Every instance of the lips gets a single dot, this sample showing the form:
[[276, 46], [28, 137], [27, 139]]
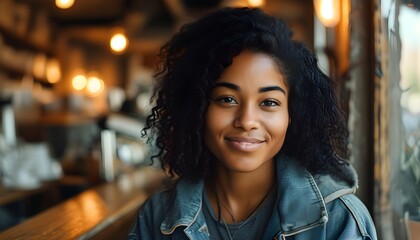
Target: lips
[[244, 143]]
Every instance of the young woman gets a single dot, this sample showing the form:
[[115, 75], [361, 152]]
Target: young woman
[[251, 126]]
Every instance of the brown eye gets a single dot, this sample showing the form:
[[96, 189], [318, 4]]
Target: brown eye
[[270, 103], [228, 100]]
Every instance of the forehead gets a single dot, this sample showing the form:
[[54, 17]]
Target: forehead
[[253, 69]]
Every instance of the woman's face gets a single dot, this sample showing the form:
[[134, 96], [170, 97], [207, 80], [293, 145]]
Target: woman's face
[[247, 119]]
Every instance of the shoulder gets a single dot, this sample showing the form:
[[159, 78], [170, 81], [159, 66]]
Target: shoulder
[[349, 219], [359, 212], [163, 212], [150, 216], [157, 203]]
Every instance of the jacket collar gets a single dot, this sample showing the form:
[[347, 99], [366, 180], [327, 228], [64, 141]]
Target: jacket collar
[[332, 188], [301, 203], [302, 196], [186, 205]]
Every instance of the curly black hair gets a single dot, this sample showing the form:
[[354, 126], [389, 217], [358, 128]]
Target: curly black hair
[[195, 57]]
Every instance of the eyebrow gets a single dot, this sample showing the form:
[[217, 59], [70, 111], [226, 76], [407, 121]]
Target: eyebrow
[[227, 85], [271, 88], [261, 89]]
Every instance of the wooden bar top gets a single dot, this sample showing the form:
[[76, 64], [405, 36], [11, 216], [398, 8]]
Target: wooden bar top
[[92, 211], [9, 195]]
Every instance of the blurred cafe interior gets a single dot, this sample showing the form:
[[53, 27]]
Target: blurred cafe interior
[[76, 78]]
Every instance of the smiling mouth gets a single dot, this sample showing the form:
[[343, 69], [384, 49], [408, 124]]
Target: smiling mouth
[[244, 144]]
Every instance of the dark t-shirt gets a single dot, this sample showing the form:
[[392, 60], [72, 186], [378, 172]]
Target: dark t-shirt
[[251, 228]]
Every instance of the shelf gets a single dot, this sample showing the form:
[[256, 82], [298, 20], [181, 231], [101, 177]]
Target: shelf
[[22, 42], [15, 73], [22, 48]]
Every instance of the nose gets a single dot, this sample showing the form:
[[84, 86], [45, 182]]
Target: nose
[[247, 118]]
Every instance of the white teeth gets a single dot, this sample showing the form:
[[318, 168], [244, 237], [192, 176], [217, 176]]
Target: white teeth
[[246, 143], [245, 146]]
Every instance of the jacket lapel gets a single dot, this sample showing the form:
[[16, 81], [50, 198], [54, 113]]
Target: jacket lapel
[[186, 206], [300, 203]]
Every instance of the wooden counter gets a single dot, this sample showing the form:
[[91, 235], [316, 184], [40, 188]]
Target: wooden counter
[[103, 212], [8, 195]]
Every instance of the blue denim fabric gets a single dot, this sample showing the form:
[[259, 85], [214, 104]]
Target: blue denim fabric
[[308, 207]]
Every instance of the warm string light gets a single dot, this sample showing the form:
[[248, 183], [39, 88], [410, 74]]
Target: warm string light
[[246, 3], [52, 71], [327, 9], [328, 12], [92, 85], [39, 66], [118, 43], [64, 4], [46, 68], [256, 3], [79, 82]]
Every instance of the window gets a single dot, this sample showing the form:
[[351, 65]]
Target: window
[[397, 120]]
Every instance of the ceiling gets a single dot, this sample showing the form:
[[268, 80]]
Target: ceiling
[[155, 13], [146, 22], [86, 11]]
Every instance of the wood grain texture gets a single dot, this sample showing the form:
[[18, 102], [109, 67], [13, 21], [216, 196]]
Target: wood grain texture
[[9, 195], [91, 212]]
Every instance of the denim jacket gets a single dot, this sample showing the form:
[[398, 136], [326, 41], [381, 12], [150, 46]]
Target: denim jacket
[[308, 207]]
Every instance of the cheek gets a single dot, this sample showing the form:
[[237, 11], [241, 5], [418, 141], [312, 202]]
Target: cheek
[[211, 126], [216, 121], [211, 129], [277, 127]]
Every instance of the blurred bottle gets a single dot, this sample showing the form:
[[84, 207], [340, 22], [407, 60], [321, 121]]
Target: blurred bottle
[[7, 120]]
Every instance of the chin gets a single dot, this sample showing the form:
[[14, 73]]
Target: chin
[[244, 165]]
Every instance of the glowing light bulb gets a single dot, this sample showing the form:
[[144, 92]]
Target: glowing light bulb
[[64, 4], [39, 66], [118, 43], [53, 72], [328, 12], [95, 85], [256, 3], [327, 9], [79, 82]]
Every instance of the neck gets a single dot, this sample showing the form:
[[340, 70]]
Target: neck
[[239, 194]]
